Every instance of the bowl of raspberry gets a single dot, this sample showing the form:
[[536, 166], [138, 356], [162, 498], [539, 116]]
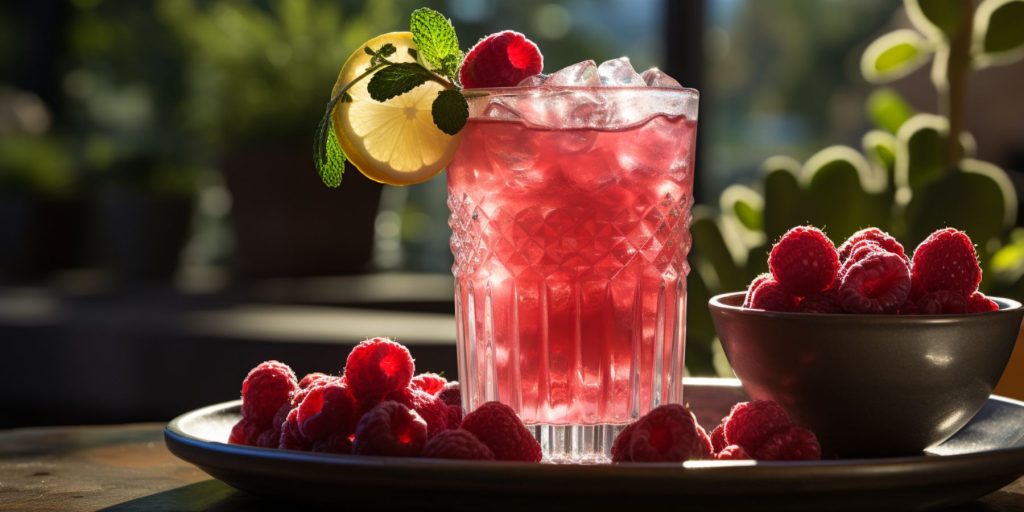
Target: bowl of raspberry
[[880, 353]]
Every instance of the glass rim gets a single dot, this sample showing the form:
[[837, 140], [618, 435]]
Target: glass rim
[[521, 90]]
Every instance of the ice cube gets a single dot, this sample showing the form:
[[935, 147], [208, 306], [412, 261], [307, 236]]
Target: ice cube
[[533, 81], [502, 109], [655, 77], [619, 72], [579, 74]]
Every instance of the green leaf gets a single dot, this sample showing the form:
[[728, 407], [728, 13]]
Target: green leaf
[[894, 55], [888, 110], [783, 198], [1000, 26], [396, 79], [841, 192], [920, 158], [435, 40], [328, 156], [940, 19], [745, 204], [709, 242], [450, 111]]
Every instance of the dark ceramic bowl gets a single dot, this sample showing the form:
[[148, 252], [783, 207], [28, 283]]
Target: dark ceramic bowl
[[869, 385]]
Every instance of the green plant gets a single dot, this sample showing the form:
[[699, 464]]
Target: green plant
[[914, 174], [35, 165]]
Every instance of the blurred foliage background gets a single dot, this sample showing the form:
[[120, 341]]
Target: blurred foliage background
[[144, 140]]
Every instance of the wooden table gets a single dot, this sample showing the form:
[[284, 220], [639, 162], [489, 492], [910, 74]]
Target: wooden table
[[127, 468]]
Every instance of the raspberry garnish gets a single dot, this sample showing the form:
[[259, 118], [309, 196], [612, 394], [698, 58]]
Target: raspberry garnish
[[879, 283], [666, 434], [500, 60], [942, 302], [804, 260], [429, 382], [946, 260], [457, 444], [718, 442], [979, 303], [497, 426], [791, 443], [772, 296], [390, 429], [327, 410], [376, 367], [754, 285], [751, 423], [875, 235], [732, 452], [821, 302]]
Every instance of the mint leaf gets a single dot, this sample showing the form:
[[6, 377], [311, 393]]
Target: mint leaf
[[436, 41], [327, 153], [396, 79], [450, 111]]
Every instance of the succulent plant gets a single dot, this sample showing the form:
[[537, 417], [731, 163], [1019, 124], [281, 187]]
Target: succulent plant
[[913, 174]]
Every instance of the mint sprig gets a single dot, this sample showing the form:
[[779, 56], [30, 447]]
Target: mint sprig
[[438, 59]]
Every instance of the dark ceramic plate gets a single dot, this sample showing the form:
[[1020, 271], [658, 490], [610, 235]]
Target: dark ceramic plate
[[985, 455]]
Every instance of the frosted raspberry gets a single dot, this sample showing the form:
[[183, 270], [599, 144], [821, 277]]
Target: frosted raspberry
[[754, 285], [434, 411], [245, 432], [942, 302], [666, 434], [946, 260], [792, 443], [879, 283], [500, 60], [751, 423], [732, 452], [859, 251], [804, 261], [497, 426], [267, 387], [821, 302], [451, 394], [376, 367], [312, 378], [979, 303], [390, 429], [457, 444], [718, 442], [429, 382], [620, 446], [875, 235], [772, 296], [327, 410]]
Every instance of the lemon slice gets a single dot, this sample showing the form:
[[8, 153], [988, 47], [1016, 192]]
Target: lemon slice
[[394, 142]]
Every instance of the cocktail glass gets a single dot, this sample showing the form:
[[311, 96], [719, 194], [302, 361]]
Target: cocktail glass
[[570, 208]]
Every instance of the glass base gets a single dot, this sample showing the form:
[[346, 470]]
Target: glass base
[[576, 444]]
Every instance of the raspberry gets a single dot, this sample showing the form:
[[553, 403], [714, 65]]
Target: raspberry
[[754, 285], [390, 429], [751, 423], [942, 302], [291, 438], [792, 443], [979, 303], [376, 367], [875, 235], [457, 444], [666, 434], [334, 444], [620, 447], [822, 302], [434, 411], [858, 252], [732, 452], [271, 437], [909, 307], [451, 394], [772, 296], [265, 389], [327, 410], [879, 283], [718, 442], [312, 378], [245, 432], [497, 426], [804, 261], [946, 260], [429, 382], [500, 60], [704, 448], [454, 416]]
